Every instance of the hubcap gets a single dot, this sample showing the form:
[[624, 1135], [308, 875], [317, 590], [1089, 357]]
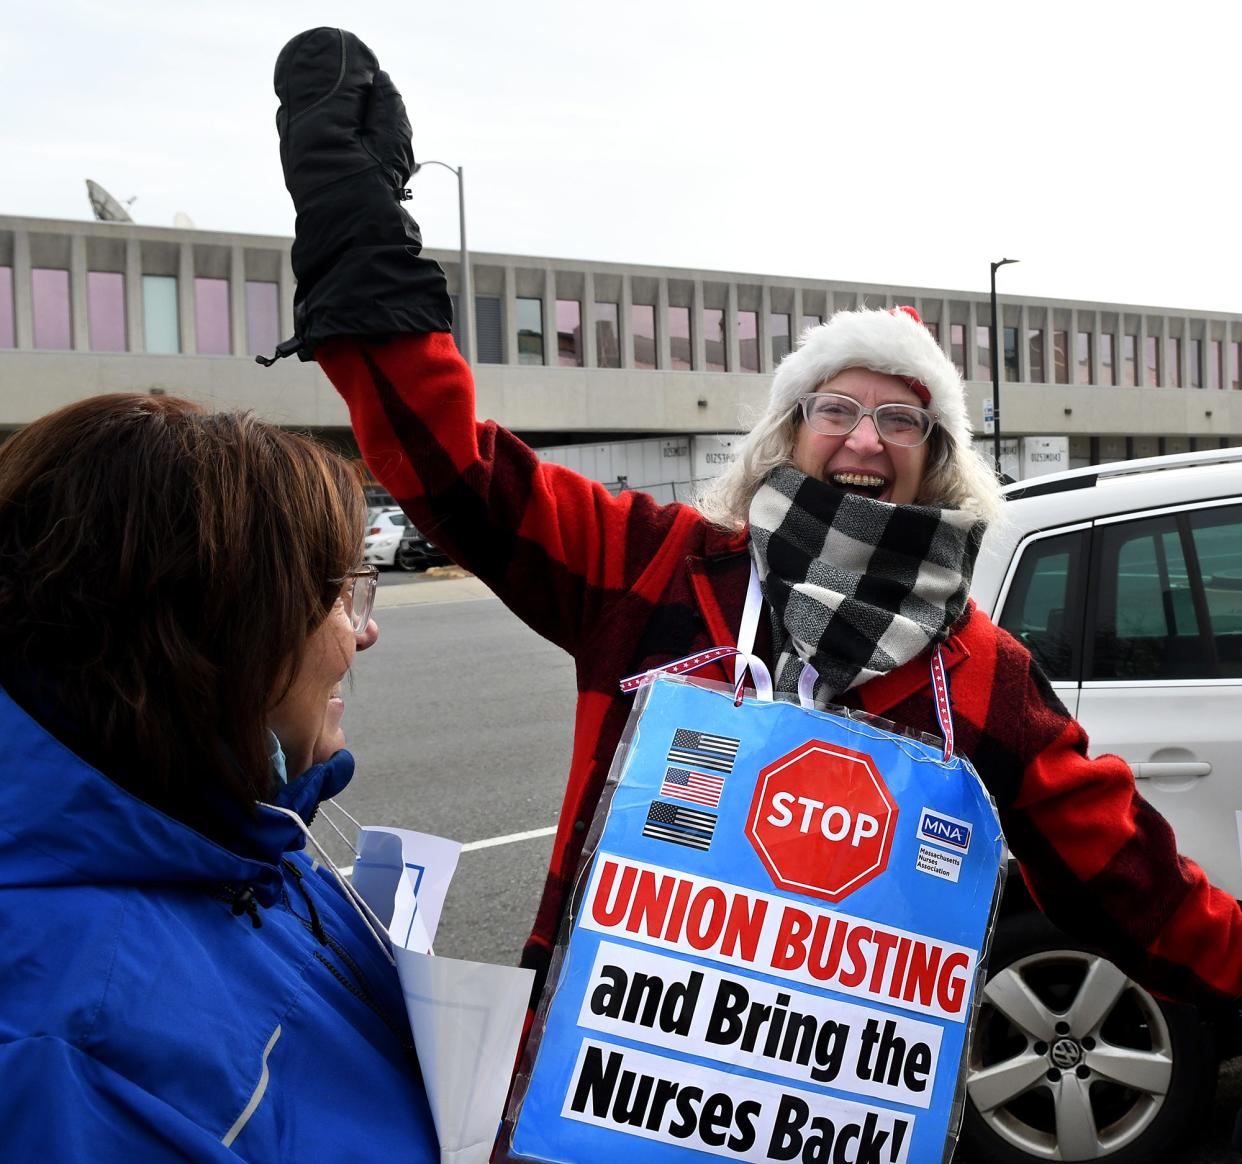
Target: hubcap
[[1070, 1060], [1065, 1054]]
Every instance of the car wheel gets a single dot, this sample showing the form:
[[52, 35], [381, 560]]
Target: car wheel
[[1072, 1060], [408, 560]]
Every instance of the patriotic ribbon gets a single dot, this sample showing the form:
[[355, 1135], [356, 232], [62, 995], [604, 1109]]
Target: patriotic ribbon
[[761, 679], [940, 693], [763, 682]]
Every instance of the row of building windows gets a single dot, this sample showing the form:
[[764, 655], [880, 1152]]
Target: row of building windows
[[1066, 358], [1118, 355], [606, 318], [52, 320]]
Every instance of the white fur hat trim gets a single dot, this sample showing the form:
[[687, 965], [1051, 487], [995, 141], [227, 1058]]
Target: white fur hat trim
[[893, 342]]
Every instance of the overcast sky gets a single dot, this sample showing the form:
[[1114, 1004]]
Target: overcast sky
[[899, 142]]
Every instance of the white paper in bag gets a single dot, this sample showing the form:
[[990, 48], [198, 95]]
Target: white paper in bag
[[404, 877]]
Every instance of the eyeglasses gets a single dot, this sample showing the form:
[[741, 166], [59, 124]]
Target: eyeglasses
[[896, 424], [358, 596]]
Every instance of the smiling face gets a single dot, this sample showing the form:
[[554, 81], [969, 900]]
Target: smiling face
[[307, 720], [860, 462]]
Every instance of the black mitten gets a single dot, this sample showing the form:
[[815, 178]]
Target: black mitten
[[346, 153]]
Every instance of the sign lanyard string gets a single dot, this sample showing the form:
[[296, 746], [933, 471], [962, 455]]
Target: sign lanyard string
[[806, 681], [745, 660]]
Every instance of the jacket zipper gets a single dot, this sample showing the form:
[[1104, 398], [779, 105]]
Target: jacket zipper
[[358, 987]]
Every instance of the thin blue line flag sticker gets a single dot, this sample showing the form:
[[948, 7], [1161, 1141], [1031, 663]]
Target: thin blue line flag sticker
[[703, 750], [679, 825]]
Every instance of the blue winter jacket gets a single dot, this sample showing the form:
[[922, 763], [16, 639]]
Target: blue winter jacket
[[142, 1018]]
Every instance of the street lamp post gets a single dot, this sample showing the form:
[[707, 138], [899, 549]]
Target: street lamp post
[[465, 305], [996, 413]]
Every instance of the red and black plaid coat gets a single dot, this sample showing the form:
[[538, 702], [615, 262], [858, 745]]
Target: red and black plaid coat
[[625, 584]]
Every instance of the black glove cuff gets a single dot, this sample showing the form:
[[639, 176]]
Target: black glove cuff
[[374, 291], [356, 259]]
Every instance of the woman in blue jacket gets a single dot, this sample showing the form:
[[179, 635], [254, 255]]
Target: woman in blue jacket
[[180, 599]]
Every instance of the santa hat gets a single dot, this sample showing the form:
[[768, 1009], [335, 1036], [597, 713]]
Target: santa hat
[[894, 342]]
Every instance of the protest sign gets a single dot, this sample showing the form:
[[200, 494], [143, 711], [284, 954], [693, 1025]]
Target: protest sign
[[776, 944]]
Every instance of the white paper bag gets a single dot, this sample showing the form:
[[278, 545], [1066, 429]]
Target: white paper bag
[[466, 1016]]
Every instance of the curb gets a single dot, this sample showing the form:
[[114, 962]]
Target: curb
[[423, 591]]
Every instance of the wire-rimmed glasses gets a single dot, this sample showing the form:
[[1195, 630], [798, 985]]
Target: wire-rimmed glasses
[[896, 424], [358, 596]]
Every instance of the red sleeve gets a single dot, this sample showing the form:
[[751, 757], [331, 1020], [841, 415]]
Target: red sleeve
[[1099, 860], [1123, 853], [555, 546]]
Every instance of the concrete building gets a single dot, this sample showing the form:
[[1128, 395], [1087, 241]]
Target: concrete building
[[575, 355]]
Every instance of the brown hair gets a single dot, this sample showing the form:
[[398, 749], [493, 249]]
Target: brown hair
[[160, 570]]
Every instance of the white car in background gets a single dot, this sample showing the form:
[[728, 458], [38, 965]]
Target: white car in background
[[1125, 582], [385, 528]]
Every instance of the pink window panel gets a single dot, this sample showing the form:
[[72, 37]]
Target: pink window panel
[[50, 290], [569, 333], [748, 340], [105, 310], [262, 318], [211, 317], [7, 336]]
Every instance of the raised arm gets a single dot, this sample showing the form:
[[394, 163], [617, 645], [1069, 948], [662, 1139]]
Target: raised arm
[[557, 548]]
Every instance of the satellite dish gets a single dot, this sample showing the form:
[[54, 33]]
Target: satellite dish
[[183, 220], [106, 208]]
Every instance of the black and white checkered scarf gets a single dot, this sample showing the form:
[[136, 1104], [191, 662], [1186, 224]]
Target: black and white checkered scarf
[[857, 587]]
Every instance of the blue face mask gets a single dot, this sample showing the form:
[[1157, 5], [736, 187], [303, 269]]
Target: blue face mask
[[277, 758]]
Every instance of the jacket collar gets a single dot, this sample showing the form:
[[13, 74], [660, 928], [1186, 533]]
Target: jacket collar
[[64, 822], [722, 543], [720, 576], [882, 694]]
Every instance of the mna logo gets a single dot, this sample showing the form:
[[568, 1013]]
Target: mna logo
[[944, 830]]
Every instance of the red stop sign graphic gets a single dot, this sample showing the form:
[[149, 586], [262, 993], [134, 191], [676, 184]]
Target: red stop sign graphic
[[822, 820]]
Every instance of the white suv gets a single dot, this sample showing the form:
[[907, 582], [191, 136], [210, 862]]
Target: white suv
[[1125, 582]]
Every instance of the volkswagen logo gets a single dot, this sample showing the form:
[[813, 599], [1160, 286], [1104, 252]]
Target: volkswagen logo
[[1065, 1053]]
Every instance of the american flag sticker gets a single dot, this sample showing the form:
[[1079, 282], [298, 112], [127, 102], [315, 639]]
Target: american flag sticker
[[703, 750], [696, 787], [680, 826]]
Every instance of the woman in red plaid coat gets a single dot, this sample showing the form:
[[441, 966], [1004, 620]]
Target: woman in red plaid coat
[[856, 500]]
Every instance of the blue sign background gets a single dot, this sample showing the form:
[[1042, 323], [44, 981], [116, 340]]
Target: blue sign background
[[902, 897]]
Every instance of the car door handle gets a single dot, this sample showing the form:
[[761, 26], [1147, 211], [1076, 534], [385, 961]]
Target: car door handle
[[1154, 771]]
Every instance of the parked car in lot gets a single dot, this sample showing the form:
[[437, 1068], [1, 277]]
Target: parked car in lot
[[377, 497], [416, 553], [1125, 582], [385, 527]]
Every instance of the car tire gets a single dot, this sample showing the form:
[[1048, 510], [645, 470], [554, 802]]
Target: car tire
[[1071, 1060], [410, 561]]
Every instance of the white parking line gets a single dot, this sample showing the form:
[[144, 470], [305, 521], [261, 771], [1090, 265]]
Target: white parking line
[[486, 843], [508, 839]]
